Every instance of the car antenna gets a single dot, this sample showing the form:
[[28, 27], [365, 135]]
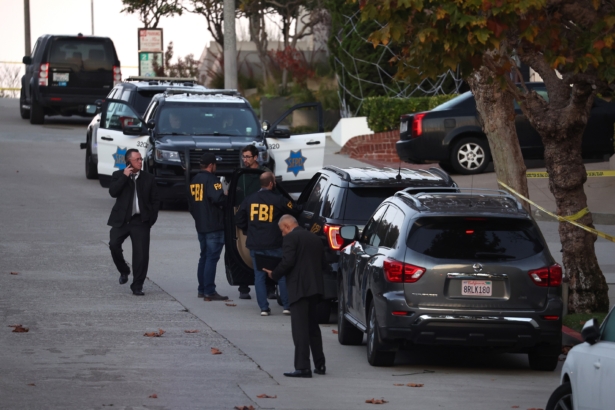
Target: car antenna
[[398, 176]]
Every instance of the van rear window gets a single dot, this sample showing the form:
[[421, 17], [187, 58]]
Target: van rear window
[[82, 54], [475, 238]]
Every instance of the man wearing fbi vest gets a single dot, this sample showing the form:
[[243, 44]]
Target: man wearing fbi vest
[[207, 198], [259, 215]]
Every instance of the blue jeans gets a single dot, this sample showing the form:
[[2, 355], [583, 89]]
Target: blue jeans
[[211, 248], [259, 280]]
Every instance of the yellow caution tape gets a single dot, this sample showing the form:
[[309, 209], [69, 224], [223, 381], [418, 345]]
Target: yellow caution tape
[[589, 174], [9, 89], [570, 219]]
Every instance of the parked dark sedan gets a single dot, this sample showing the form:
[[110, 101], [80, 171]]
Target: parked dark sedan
[[451, 134]]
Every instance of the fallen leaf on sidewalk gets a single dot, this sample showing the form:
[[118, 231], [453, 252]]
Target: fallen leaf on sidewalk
[[14, 273], [266, 396], [244, 407], [191, 331], [215, 351], [159, 333], [230, 304], [334, 331], [376, 401], [415, 385], [20, 329], [31, 384], [398, 384], [153, 396]]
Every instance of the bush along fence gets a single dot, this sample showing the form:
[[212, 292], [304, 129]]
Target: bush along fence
[[383, 112]]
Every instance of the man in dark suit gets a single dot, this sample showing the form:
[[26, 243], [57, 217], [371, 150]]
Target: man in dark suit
[[134, 213], [302, 264]]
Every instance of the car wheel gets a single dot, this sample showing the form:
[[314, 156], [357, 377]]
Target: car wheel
[[323, 312], [347, 334], [25, 113], [91, 167], [37, 114], [376, 353], [470, 155], [544, 359], [561, 399]]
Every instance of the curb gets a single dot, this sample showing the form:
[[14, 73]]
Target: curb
[[571, 337]]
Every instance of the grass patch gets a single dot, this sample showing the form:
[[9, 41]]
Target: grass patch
[[575, 321]]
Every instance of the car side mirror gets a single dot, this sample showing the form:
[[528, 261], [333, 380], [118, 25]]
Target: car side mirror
[[591, 331], [266, 125], [91, 109], [280, 133], [134, 130], [27, 60], [151, 124], [349, 232]]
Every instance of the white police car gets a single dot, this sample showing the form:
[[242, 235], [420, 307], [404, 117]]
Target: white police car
[[588, 374]]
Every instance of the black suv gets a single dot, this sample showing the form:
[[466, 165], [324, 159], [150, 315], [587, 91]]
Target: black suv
[[469, 268], [452, 135], [64, 74], [137, 92]]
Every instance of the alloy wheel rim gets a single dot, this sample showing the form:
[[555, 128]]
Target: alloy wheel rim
[[471, 156], [564, 403]]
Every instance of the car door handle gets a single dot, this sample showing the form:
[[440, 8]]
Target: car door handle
[[313, 142], [597, 365], [106, 138]]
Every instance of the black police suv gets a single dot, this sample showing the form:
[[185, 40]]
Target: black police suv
[[137, 92], [452, 135], [468, 268], [64, 74]]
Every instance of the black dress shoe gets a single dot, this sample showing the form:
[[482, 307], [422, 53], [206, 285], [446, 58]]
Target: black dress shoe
[[138, 293], [306, 373], [123, 279], [320, 369]]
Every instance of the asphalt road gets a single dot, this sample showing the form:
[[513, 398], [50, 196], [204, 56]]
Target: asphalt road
[[86, 349]]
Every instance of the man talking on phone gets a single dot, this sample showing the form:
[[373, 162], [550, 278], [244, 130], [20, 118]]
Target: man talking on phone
[[134, 213]]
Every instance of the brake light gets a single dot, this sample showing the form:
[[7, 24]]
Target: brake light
[[117, 75], [547, 276], [43, 75], [399, 313], [334, 238], [550, 317], [399, 272], [417, 125]]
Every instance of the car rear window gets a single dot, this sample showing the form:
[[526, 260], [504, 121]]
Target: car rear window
[[475, 238], [82, 54], [362, 202]]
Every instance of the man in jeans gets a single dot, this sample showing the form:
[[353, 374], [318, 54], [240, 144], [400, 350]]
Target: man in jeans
[[259, 214], [207, 199]]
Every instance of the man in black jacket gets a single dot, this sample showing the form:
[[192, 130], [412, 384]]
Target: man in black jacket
[[207, 198], [302, 264], [259, 214], [134, 218]]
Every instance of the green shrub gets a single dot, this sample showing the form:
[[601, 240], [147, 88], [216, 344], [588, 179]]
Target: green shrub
[[383, 112]]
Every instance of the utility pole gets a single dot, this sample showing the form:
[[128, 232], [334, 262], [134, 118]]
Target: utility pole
[[92, 9], [230, 46], [26, 18]]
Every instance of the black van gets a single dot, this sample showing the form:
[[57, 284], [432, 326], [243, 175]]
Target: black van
[[66, 73]]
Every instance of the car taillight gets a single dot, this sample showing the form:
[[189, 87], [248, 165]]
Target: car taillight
[[547, 276], [399, 272], [417, 125], [117, 75], [334, 239], [43, 75]]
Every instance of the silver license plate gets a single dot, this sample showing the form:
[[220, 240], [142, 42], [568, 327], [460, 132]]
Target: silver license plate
[[60, 77], [476, 287]]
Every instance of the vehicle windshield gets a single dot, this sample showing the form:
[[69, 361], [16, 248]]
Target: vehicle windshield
[[454, 102], [81, 54], [475, 238], [217, 119]]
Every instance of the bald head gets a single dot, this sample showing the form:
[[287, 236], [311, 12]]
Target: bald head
[[287, 224], [267, 180]]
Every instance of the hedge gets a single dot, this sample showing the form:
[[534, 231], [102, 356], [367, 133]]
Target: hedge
[[383, 112]]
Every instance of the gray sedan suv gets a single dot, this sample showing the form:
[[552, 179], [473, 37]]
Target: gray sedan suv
[[466, 268]]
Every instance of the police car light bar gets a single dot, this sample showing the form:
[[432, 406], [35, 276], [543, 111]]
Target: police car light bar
[[165, 79], [173, 91]]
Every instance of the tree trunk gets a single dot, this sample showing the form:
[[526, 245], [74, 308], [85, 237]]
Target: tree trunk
[[497, 113]]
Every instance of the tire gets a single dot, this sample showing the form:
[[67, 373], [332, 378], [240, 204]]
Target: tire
[[347, 334], [545, 359], [561, 398], [91, 167], [323, 312], [37, 114], [25, 114], [377, 355], [470, 155]]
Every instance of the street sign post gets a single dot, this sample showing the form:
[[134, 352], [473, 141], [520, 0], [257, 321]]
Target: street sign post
[[150, 50]]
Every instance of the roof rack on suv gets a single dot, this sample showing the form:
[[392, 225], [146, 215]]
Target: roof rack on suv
[[173, 91], [165, 79], [441, 192]]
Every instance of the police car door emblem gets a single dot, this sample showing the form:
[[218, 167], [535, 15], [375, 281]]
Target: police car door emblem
[[119, 158], [295, 162]]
